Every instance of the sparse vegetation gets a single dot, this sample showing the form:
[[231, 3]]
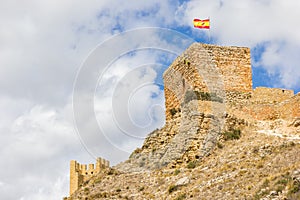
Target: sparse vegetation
[[142, 164], [234, 134], [294, 187], [98, 180], [86, 190], [176, 172], [283, 181], [220, 145], [279, 188], [189, 96], [180, 197], [141, 188], [203, 96], [265, 183], [118, 190], [99, 195], [191, 165], [173, 111], [279, 184], [136, 151], [172, 188]]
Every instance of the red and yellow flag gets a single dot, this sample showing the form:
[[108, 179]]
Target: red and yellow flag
[[198, 23]]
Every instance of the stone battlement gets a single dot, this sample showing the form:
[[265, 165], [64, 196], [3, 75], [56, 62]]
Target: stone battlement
[[79, 173], [271, 95]]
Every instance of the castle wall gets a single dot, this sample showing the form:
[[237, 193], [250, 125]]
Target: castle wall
[[290, 108], [265, 104], [235, 66], [216, 69], [79, 173], [174, 91], [263, 95], [207, 68], [75, 177]]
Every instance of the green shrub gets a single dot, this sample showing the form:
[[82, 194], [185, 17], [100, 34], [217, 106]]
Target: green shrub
[[172, 188], [266, 183], [189, 96], [99, 195], [180, 197], [142, 164], [141, 188], [295, 187], [176, 172], [191, 165], [111, 172], [203, 96], [220, 145], [279, 188], [234, 134], [173, 111], [98, 180], [282, 182], [214, 97], [118, 190]]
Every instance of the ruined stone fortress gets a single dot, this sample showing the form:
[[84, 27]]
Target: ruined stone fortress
[[79, 173], [208, 90]]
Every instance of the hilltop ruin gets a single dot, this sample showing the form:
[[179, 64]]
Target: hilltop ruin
[[208, 92]]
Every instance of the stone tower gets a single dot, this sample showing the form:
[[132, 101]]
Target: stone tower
[[207, 68], [79, 173]]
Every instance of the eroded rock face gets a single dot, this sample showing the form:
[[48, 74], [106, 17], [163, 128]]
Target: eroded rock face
[[191, 138]]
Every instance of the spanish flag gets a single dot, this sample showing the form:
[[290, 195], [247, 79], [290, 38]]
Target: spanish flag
[[198, 23]]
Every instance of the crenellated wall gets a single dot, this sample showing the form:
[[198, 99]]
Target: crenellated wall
[[79, 173], [274, 103], [265, 104], [263, 95]]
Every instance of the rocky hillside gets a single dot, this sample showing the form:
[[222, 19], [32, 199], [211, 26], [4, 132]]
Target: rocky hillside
[[258, 159], [260, 163]]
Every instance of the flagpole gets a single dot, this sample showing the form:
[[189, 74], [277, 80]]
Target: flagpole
[[209, 31]]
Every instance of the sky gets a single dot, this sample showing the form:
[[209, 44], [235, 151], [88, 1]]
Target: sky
[[80, 80]]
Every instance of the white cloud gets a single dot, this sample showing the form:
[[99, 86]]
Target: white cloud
[[254, 22], [37, 145], [128, 102], [282, 58]]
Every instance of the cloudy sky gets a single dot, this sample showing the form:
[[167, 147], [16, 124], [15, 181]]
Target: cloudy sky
[[80, 80]]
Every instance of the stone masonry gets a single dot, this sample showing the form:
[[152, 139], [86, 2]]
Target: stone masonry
[[207, 68], [79, 173]]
